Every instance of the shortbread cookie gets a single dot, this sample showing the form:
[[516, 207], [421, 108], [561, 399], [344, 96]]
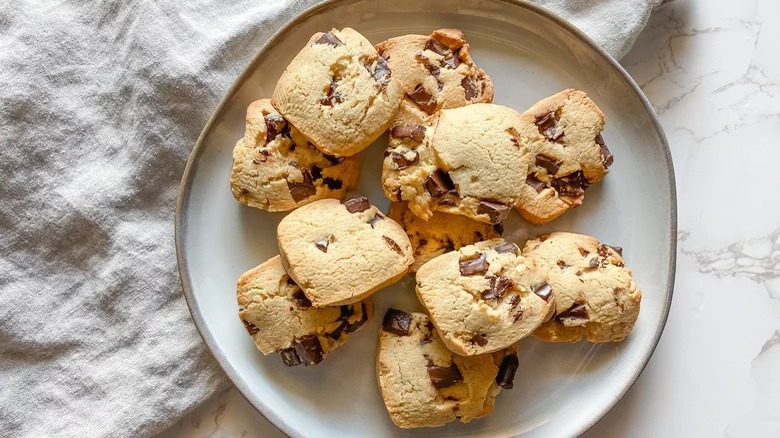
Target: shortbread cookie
[[338, 92], [484, 297], [441, 233], [423, 384], [276, 169], [340, 252], [595, 296], [281, 319], [568, 154]]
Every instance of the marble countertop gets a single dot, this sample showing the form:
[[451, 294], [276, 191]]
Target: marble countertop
[[712, 71]]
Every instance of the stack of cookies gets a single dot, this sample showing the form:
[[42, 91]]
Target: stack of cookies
[[454, 168]]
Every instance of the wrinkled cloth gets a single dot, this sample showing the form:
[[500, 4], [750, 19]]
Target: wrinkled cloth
[[100, 105]]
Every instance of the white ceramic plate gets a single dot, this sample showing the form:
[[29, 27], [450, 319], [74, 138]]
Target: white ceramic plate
[[560, 389]]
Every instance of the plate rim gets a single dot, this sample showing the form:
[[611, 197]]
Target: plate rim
[[187, 177]]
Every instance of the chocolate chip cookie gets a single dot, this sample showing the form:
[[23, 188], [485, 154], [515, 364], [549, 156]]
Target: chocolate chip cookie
[[338, 92], [441, 233], [596, 298], [341, 252], [423, 384], [276, 169], [568, 152], [484, 297], [280, 318]]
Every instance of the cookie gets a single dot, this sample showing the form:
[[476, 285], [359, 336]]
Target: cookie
[[596, 298], [280, 318], [276, 169], [341, 252], [484, 297], [441, 233], [423, 384], [338, 92], [568, 153]]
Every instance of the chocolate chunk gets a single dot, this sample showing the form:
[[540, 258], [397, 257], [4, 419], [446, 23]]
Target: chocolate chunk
[[436, 47], [584, 252], [514, 301], [537, 185], [332, 183], [439, 183], [603, 250], [415, 132], [432, 68], [357, 204], [375, 219], [562, 264], [394, 246], [322, 244], [289, 357], [301, 299], [518, 315], [571, 185], [498, 228], [453, 60], [498, 287], [507, 247], [250, 328], [479, 339], [544, 291], [506, 371], [363, 318], [473, 266], [263, 156], [336, 333], [333, 159], [381, 73], [578, 311], [332, 95], [547, 163], [309, 350], [428, 336], [548, 124], [289, 281], [302, 190], [345, 311], [495, 211], [402, 162], [606, 155], [329, 39], [425, 101], [593, 263], [397, 322], [316, 172], [469, 88], [449, 200], [275, 125], [444, 377]]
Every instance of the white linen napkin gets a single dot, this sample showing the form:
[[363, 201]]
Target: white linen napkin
[[100, 105]]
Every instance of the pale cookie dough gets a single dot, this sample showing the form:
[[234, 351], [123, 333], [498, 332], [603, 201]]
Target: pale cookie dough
[[280, 318], [276, 169], [595, 296], [568, 154], [484, 297], [340, 252], [423, 384], [338, 92], [441, 233]]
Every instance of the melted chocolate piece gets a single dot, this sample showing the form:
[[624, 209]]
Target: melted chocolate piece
[[506, 371], [444, 377], [275, 125], [356, 205], [498, 228], [397, 322], [332, 183], [375, 219], [606, 155], [469, 88], [571, 185], [498, 287], [577, 311], [301, 299], [432, 68], [250, 328], [393, 245], [425, 101], [548, 124], [474, 266], [495, 211], [547, 163], [439, 183], [329, 39], [302, 190], [309, 350], [479, 339], [544, 291], [332, 95], [322, 244], [289, 357], [507, 247], [402, 162], [415, 132], [436, 47], [537, 185]]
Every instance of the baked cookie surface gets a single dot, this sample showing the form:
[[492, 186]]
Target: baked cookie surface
[[338, 92], [484, 297], [340, 252], [280, 318], [276, 169], [596, 298], [423, 384]]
